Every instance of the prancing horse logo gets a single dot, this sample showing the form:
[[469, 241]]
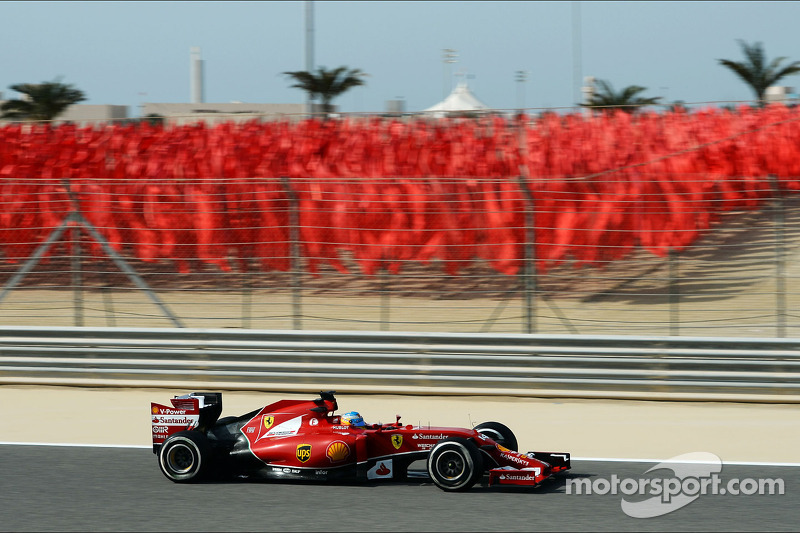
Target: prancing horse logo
[[268, 421], [397, 441]]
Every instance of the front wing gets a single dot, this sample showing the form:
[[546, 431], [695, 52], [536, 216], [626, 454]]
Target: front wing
[[550, 463]]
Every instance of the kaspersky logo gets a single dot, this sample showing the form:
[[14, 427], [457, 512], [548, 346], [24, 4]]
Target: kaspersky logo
[[303, 452], [397, 441]]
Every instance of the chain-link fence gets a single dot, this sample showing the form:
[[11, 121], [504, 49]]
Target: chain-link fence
[[672, 224]]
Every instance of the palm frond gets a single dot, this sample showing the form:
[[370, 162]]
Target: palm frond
[[756, 72], [324, 84], [627, 100], [43, 101]]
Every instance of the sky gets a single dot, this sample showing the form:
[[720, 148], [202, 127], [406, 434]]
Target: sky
[[129, 53]]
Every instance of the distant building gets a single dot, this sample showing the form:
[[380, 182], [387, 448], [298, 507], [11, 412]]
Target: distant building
[[184, 113], [179, 114], [782, 94], [84, 114], [396, 107]]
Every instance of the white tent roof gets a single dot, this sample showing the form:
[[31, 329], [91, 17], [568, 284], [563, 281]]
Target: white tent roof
[[461, 99]]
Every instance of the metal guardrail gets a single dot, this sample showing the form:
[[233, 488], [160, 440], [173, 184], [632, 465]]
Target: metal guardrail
[[671, 368]]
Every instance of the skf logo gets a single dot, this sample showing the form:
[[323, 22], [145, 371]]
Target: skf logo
[[337, 451], [397, 441], [303, 452], [268, 421]]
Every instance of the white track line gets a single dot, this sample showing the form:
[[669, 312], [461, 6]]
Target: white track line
[[74, 445], [732, 463], [598, 459]]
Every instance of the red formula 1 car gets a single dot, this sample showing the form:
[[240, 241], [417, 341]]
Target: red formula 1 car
[[305, 440]]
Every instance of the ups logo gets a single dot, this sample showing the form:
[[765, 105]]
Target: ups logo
[[303, 452]]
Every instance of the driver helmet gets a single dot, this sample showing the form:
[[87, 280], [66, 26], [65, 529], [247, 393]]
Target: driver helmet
[[353, 419]]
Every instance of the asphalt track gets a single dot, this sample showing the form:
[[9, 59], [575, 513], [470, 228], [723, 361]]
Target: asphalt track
[[92, 469], [81, 488]]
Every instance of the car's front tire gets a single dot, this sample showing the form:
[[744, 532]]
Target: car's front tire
[[499, 433], [455, 464], [184, 457]]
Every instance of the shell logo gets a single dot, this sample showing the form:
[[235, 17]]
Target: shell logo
[[154, 410], [337, 451]]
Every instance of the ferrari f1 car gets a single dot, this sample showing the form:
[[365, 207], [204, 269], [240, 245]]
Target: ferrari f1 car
[[306, 440]]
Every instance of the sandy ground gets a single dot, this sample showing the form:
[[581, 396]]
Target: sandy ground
[[585, 428]]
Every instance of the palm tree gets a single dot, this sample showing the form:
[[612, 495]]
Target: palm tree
[[627, 99], [755, 72], [678, 106], [326, 84], [41, 101]]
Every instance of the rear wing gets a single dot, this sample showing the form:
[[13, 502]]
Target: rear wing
[[196, 410]]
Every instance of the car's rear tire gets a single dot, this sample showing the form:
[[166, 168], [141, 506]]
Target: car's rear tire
[[499, 433], [184, 457], [455, 464]]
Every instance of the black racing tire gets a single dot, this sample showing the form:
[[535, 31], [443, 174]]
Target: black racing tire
[[499, 433], [455, 464], [185, 456]]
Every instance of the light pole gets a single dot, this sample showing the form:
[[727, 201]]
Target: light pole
[[309, 19], [576, 49], [449, 57], [521, 77]]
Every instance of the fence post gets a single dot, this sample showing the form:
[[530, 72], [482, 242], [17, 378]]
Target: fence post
[[779, 220], [385, 303], [77, 282], [529, 258], [529, 252], [674, 293], [75, 260], [247, 299], [294, 253]]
